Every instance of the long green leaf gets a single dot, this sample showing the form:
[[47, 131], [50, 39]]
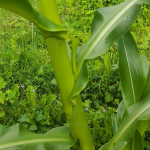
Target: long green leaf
[[133, 77], [24, 9], [18, 137], [134, 113], [131, 70], [108, 25]]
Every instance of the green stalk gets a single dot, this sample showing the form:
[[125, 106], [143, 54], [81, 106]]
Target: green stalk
[[59, 56], [63, 71], [58, 51], [65, 80], [80, 126]]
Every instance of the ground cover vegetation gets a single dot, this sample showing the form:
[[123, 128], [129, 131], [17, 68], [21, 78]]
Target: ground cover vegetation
[[28, 89]]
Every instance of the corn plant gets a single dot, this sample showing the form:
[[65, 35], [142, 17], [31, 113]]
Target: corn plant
[[110, 24]]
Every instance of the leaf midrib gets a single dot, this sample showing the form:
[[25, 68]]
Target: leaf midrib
[[108, 26], [129, 71], [128, 124], [10, 144]]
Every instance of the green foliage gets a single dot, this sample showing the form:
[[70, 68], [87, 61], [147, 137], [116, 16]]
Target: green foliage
[[58, 138], [129, 95], [107, 26], [100, 123], [30, 95], [32, 67], [78, 15], [23, 106]]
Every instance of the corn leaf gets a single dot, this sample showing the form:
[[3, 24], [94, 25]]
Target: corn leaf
[[126, 130], [134, 76], [46, 26], [131, 70], [108, 25], [18, 137]]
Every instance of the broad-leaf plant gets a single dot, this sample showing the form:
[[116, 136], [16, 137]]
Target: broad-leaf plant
[[110, 25]]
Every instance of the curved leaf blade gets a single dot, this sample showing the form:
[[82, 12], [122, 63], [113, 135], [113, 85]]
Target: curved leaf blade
[[134, 113], [18, 137], [108, 25], [46, 26], [131, 70], [49, 28], [81, 81]]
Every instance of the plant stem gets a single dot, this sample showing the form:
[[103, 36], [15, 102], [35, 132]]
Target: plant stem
[[63, 71], [65, 79], [80, 126]]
